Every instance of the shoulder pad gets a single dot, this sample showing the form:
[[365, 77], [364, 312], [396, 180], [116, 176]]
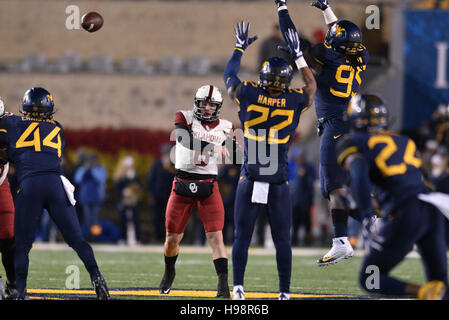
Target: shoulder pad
[[58, 123], [226, 125], [318, 52], [188, 116]]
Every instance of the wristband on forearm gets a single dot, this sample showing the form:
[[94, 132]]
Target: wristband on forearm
[[329, 16], [301, 63]]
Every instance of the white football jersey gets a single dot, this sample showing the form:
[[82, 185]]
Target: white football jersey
[[207, 162]]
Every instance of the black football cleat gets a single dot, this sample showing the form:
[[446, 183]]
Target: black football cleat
[[9, 288], [167, 281], [101, 289], [16, 295], [223, 288]]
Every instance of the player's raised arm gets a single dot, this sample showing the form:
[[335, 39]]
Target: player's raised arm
[[294, 48], [329, 17], [232, 68], [286, 24]]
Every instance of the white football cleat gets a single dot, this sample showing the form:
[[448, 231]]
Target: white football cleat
[[238, 293], [284, 296], [341, 249]]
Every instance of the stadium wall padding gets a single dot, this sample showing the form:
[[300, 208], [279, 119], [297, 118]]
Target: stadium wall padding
[[425, 31]]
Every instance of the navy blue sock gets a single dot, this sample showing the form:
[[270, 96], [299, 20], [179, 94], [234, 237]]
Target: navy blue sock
[[284, 264], [7, 247], [355, 214], [21, 263], [221, 266], [239, 260], [340, 222], [86, 254]]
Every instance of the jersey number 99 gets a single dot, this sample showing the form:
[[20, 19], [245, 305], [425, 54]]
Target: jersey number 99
[[348, 81]]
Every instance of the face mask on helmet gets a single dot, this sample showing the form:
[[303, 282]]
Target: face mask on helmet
[[37, 102], [207, 103], [367, 113], [276, 74], [345, 37]]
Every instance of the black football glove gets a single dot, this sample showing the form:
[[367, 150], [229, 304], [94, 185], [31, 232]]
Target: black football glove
[[320, 4], [241, 34]]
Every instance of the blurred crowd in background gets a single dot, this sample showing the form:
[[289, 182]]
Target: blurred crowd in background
[[132, 209], [122, 202]]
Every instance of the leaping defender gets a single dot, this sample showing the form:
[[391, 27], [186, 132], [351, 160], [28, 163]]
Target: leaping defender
[[339, 66]]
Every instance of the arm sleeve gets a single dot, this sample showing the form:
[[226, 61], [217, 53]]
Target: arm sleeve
[[285, 22], [361, 185], [232, 68], [344, 148], [359, 174], [238, 92]]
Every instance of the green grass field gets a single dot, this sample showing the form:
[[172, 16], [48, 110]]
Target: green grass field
[[195, 271]]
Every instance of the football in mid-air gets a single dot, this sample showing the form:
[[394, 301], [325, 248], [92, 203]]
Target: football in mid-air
[[91, 21]]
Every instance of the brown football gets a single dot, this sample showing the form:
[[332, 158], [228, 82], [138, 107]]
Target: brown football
[[91, 21]]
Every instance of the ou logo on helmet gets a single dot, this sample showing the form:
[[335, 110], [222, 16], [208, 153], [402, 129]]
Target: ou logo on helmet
[[193, 187]]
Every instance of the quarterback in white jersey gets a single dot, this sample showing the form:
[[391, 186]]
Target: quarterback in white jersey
[[200, 146], [199, 150]]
